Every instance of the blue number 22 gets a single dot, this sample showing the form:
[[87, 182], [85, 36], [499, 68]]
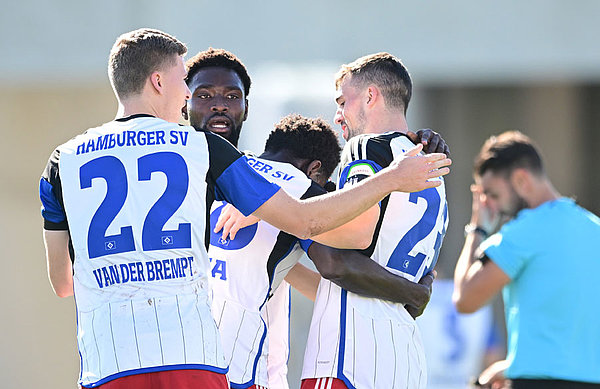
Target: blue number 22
[[401, 258], [112, 170]]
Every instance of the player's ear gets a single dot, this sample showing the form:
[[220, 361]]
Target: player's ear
[[521, 181], [372, 94], [156, 82], [313, 170], [245, 109]]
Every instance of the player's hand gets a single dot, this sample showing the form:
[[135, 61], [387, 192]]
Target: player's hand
[[485, 213], [432, 141], [412, 172], [426, 280], [493, 376], [231, 221]]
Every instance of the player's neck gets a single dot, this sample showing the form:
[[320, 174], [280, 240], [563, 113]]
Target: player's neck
[[386, 122], [136, 105], [542, 193]]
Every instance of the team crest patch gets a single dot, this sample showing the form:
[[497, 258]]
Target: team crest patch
[[362, 169]]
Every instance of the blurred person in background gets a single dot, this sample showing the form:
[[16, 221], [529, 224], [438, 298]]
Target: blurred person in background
[[536, 258]]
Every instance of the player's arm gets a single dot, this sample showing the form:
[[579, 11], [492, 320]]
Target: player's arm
[[56, 230], [314, 216], [60, 270], [476, 278], [359, 274], [356, 234], [304, 280]]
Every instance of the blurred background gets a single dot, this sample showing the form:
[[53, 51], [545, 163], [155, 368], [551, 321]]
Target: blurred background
[[479, 68]]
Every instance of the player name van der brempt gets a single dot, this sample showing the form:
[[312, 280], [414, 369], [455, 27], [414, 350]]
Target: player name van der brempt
[[156, 270]]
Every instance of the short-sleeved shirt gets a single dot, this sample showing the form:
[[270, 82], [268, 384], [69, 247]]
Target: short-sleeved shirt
[[133, 194], [552, 303]]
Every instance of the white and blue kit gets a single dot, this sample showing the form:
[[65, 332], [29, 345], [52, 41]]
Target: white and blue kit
[[366, 342], [246, 271], [133, 194]]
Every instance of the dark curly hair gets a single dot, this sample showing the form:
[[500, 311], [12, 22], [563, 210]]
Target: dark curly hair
[[218, 58], [306, 138]]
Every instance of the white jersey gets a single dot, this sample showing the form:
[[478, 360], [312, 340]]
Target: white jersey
[[132, 194], [245, 271], [276, 313], [366, 342]]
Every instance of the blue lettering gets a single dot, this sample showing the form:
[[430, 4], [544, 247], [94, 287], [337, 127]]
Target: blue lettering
[[107, 280], [130, 138], [125, 275], [167, 269], [111, 141], [150, 138], [160, 137], [173, 137], [176, 267], [250, 161], [159, 270], [258, 165], [287, 178], [150, 271], [140, 271], [141, 138], [220, 268], [102, 142], [277, 174], [190, 259], [266, 168], [98, 278], [121, 142], [131, 266], [90, 145], [184, 265], [81, 149], [184, 136], [114, 274]]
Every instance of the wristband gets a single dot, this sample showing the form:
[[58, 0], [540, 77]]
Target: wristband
[[469, 228]]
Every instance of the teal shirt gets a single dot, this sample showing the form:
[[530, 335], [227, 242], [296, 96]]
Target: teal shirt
[[552, 303]]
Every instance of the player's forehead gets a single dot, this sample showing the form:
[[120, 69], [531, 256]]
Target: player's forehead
[[346, 88], [216, 77]]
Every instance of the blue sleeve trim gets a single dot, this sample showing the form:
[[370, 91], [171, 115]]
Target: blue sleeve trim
[[241, 186], [371, 166], [51, 209], [305, 244], [104, 380]]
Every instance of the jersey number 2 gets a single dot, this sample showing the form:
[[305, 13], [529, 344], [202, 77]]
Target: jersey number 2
[[401, 258], [112, 170]]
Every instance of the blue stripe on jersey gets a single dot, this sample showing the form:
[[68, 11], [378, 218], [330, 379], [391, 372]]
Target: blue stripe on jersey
[[374, 166], [51, 209], [156, 369], [243, 187], [340, 372], [305, 244]]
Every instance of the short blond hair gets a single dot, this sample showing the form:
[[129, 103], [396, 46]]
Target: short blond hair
[[136, 55], [385, 71]]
